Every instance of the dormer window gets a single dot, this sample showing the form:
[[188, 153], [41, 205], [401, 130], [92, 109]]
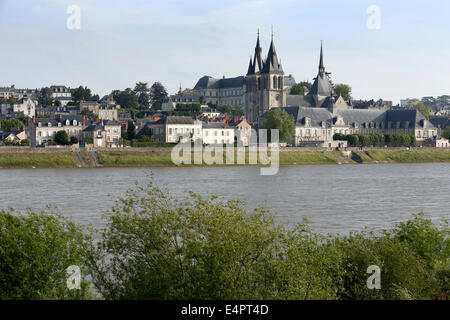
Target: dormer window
[[67, 123], [74, 122], [307, 122], [49, 124], [39, 124], [59, 124]]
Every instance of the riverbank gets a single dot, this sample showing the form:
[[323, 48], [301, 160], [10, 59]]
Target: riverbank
[[161, 157]]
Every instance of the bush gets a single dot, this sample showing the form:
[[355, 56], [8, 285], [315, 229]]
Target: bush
[[366, 140], [156, 247], [35, 251], [62, 138]]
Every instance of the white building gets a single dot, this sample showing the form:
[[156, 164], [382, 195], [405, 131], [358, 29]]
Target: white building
[[173, 129], [27, 106], [217, 133]]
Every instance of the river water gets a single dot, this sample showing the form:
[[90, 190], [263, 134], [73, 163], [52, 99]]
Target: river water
[[334, 198]]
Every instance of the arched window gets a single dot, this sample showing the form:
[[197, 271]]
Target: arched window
[[259, 84], [280, 82], [274, 82], [67, 123]]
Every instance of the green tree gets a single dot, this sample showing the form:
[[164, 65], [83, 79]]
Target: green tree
[[281, 120], [417, 104], [45, 98], [36, 250], [131, 130], [225, 108], [343, 90], [143, 93], [157, 94], [446, 133], [9, 125], [156, 247], [89, 114], [127, 98], [238, 111], [83, 94], [62, 138], [299, 88]]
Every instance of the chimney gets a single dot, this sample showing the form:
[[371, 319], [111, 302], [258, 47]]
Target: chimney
[[96, 120], [236, 119], [34, 119], [84, 121]]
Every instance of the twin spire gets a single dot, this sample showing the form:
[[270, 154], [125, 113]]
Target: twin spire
[[270, 64]]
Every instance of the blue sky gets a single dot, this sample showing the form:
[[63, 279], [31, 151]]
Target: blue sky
[[175, 42]]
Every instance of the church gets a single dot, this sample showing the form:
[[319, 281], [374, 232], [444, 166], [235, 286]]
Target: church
[[318, 114]]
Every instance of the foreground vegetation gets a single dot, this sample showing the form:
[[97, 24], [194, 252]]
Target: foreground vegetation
[[157, 247]]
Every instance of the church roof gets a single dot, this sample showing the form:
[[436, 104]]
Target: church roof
[[271, 64], [322, 85], [357, 116], [207, 82]]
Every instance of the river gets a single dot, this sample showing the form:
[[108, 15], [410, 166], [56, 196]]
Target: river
[[334, 198]]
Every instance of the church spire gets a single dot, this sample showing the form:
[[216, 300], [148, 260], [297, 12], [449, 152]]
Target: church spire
[[272, 63], [257, 62], [250, 67], [321, 65]]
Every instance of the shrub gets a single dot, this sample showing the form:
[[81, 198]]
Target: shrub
[[35, 251], [158, 248]]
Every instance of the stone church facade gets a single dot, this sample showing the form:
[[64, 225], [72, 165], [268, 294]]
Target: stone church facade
[[265, 87]]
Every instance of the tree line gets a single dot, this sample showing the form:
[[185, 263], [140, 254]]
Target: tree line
[[157, 247], [377, 140]]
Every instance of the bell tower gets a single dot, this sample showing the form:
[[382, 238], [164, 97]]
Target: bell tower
[[264, 83]]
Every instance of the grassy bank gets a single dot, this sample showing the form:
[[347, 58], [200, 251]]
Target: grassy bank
[[405, 156], [17, 160], [162, 158]]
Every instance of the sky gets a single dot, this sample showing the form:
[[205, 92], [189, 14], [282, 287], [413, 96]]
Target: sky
[[176, 42]]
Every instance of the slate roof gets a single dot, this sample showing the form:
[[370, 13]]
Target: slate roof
[[440, 122], [213, 125], [207, 82], [357, 116], [322, 85], [93, 127], [175, 120], [62, 120]]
